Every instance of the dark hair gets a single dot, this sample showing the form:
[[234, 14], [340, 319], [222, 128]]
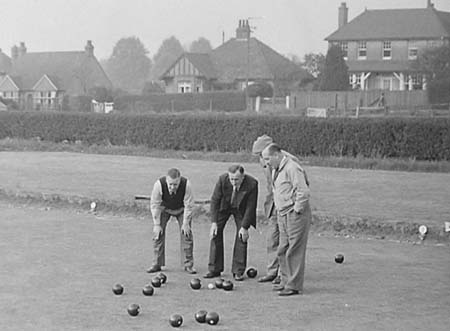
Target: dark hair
[[273, 148], [173, 173], [236, 167]]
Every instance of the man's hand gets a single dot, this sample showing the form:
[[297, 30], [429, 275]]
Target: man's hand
[[213, 230], [186, 229], [243, 234], [157, 231]]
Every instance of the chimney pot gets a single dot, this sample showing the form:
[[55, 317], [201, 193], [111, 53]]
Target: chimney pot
[[22, 48], [89, 48]]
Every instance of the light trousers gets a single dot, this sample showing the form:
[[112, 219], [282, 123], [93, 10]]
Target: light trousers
[[294, 229]]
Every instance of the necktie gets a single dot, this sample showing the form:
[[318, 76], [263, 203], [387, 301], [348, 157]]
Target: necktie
[[234, 197]]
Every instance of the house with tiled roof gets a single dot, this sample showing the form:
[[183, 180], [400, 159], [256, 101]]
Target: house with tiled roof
[[231, 65], [43, 80], [380, 46]]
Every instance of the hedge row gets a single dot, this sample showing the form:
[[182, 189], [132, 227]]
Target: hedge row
[[419, 138], [221, 100]]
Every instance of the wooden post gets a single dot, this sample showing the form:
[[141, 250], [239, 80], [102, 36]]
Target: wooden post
[[172, 105], [210, 105], [357, 112], [336, 104]]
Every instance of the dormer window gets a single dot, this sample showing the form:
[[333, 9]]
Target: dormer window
[[387, 50], [362, 50]]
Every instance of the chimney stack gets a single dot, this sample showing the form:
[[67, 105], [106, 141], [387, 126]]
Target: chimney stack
[[14, 52], [243, 30], [430, 4], [89, 48], [343, 15], [22, 49]]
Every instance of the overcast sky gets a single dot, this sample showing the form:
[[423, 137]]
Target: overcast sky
[[289, 26]]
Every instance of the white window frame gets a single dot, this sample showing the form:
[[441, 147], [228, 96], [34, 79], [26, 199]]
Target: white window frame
[[387, 50], [362, 50], [413, 50], [417, 81], [344, 48], [184, 87]]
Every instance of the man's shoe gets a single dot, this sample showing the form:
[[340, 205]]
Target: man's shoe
[[190, 270], [238, 277], [277, 280], [287, 292], [278, 288], [153, 269], [212, 274], [266, 278]]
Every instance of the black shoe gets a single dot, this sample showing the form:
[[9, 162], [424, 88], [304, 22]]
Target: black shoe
[[277, 280], [238, 277], [190, 270], [266, 278], [212, 274], [287, 292], [153, 269]]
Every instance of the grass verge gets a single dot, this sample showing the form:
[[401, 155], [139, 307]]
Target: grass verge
[[9, 144]]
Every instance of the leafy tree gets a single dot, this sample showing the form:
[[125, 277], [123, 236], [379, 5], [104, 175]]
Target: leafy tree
[[168, 52], [335, 73], [128, 67], [313, 63], [201, 45], [434, 63], [152, 87]]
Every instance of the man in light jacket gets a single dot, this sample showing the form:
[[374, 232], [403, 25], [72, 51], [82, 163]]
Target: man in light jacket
[[291, 197]]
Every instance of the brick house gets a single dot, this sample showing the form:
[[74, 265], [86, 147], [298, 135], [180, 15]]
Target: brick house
[[380, 46], [230, 65], [43, 80]]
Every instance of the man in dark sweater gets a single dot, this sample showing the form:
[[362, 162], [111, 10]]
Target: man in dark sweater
[[172, 196]]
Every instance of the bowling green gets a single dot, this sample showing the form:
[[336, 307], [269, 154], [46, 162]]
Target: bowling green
[[58, 267]]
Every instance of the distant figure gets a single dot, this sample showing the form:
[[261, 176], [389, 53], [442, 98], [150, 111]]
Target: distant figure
[[291, 196], [235, 193], [172, 196]]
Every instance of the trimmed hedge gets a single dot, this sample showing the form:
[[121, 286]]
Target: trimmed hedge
[[418, 138]]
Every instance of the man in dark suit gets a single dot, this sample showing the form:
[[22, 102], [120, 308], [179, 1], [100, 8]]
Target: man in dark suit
[[235, 193]]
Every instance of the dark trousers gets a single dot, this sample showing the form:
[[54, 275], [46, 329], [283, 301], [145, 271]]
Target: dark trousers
[[216, 254], [186, 244]]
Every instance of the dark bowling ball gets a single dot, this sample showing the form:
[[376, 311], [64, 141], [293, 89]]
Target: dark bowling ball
[[212, 318], [133, 309], [176, 320], [117, 289], [196, 284], [156, 281], [339, 258], [200, 316], [227, 285], [219, 283], [163, 278], [252, 272], [148, 290]]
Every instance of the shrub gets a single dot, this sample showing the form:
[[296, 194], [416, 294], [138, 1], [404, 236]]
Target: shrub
[[417, 138]]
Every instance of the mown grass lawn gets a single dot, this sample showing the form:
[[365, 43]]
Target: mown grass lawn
[[384, 195], [58, 267]]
